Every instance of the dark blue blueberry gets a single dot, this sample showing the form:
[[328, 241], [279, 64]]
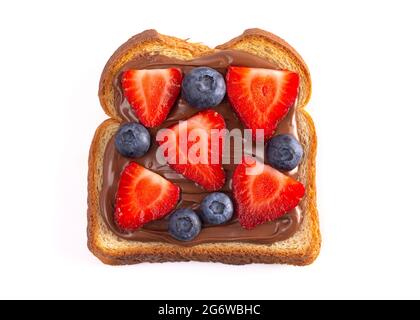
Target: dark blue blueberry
[[184, 224], [284, 152], [216, 208], [132, 140], [203, 87]]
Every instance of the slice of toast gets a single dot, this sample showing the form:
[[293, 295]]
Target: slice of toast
[[300, 249]]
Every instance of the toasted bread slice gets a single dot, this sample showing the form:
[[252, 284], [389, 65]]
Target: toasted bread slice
[[301, 249]]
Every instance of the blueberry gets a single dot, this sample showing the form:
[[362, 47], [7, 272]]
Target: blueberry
[[216, 208], [203, 87], [132, 140], [284, 152], [184, 224]]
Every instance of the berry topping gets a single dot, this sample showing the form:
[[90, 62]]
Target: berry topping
[[284, 152], [184, 225], [216, 208], [152, 93], [261, 97], [132, 140], [262, 193], [208, 173], [203, 87], [143, 196]]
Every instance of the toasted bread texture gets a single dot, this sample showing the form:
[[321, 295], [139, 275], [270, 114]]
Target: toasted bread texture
[[300, 249]]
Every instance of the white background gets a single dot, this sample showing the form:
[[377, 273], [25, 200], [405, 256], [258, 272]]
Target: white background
[[364, 59]]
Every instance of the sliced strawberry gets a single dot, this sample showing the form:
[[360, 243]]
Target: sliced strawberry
[[152, 93], [143, 196], [180, 141], [263, 195], [261, 97]]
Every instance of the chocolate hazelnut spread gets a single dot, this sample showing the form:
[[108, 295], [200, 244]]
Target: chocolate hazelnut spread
[[191, 193]]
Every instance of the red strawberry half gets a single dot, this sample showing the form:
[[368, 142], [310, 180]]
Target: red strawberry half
[[143, 196], [264, 195], [261, 97], [152, 93], [181, 143]]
